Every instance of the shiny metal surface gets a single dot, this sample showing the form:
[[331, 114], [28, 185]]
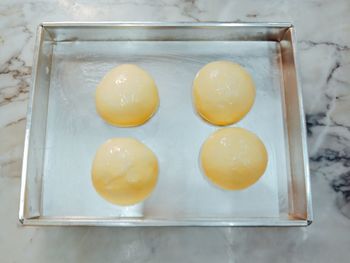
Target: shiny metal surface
[[64, 130]]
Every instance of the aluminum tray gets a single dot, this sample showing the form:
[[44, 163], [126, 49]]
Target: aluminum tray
[[63, 129]]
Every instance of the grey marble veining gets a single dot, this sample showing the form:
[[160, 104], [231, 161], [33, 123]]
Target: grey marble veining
[[323, 31]]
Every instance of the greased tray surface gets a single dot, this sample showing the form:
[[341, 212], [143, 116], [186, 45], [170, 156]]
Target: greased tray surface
[[71, 62]]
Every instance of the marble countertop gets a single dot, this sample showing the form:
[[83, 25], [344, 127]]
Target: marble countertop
[[323, 32]]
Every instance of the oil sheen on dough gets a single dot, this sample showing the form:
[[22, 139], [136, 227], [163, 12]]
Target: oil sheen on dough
[[223, 92], [124, 171], [233, 158], [127, 96]]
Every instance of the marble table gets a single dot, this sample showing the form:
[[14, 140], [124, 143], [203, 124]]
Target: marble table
[[323, 31]]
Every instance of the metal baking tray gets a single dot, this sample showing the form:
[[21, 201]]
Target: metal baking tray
[[63, 129]]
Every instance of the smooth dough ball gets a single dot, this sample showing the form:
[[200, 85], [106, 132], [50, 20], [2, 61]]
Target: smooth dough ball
[[223, 92], [127, 96], [124, 171], [233, 158]]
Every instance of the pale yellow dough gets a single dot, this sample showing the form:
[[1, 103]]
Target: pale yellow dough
[[233, 158], [127, 96], [223, 92], [124, 171]]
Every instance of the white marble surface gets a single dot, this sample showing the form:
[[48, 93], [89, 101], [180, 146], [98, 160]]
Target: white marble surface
[[323, 30]]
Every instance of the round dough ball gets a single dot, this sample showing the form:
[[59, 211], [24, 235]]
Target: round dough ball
[[124, 171], [127, 96], [233, 158], [223, 92]]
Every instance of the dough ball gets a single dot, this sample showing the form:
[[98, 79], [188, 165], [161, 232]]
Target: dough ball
[[233, 158], [223, 92], [127, 96], [124, 171]]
